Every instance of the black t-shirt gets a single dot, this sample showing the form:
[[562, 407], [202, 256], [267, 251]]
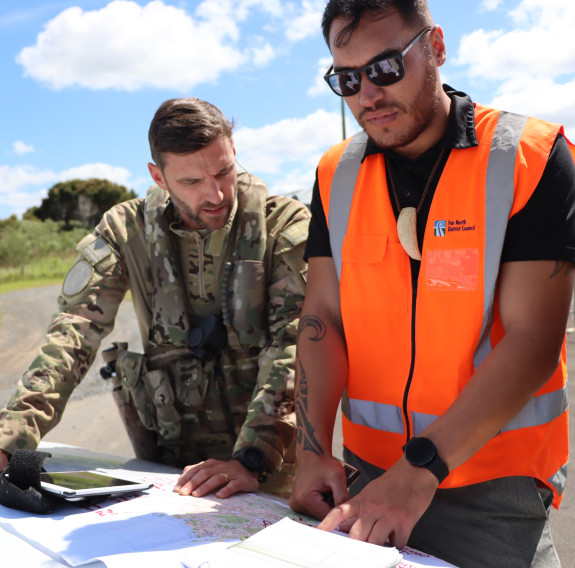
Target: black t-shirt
[[543, 230]]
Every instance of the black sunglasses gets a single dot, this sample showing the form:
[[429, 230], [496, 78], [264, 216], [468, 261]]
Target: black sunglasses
[[382, 73]]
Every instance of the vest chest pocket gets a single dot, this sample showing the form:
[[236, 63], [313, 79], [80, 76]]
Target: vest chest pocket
[[375, 274]]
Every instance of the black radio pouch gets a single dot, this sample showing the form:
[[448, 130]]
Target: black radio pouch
[[20, 483]]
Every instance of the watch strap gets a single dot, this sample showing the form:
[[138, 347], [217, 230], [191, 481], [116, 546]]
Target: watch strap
[[254, 460], [434, 464], [438, 467]]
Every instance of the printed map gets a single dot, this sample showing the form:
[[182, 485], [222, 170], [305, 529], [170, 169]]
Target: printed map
[[235, 518], [159, 528], [156, 520]]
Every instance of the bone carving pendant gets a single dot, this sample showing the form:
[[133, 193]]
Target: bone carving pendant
[[407, 232]]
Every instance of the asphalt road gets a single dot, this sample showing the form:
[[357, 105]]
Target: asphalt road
[[91, 419]]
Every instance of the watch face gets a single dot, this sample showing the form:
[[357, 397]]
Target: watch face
[[253, 459], [420, 451]]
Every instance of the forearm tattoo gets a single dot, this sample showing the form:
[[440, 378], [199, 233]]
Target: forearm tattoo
[[305, 430], [562, 267]]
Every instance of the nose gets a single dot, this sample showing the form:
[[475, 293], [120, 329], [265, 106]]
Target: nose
[[369, 93], [214, 193]]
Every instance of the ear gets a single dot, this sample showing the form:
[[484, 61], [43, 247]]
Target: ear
[[438, 44], [157, 176]]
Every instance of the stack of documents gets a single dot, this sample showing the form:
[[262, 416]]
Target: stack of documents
[[288, 544]]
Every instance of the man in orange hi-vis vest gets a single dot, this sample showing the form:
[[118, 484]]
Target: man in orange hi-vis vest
[[441, 254]]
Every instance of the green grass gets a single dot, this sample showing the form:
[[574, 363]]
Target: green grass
[[25, 284], [48, 268], [33, 253]]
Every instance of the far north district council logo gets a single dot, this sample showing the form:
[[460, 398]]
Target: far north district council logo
[[439, 228]]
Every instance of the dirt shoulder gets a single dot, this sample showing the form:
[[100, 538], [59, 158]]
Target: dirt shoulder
[[90, 419]]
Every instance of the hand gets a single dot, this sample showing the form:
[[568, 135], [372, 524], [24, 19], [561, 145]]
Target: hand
[[315, 478], [388, 508], [205, 477]]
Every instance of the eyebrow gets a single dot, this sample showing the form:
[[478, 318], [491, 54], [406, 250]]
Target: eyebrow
[[383, 55], [196, 180]]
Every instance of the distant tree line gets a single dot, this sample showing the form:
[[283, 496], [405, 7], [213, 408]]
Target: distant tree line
[[42, 244], [79, 202]]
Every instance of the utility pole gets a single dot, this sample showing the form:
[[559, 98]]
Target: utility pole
[[342, 119]]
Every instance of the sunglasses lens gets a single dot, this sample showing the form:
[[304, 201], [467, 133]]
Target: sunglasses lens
[[345, 84], [387, 71], [381, 73]]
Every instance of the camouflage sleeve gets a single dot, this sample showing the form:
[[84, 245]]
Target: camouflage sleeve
[[91, 294], [270, 423]]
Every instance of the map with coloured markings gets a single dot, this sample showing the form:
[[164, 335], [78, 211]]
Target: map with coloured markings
[[235, 518], [156, 520], [159, 528]]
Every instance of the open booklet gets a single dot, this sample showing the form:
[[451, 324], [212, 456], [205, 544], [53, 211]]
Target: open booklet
[[286, 544]]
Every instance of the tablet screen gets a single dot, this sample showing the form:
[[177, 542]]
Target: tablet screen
[[87, 483]]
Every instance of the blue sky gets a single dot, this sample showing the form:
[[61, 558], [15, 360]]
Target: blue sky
[[81, 80]]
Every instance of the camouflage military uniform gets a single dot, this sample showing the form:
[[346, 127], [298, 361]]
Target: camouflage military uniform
[[251, 270]]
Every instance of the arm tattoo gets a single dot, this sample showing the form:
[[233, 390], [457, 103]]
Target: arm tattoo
[[315, 323], [305, 430], [562, 266]]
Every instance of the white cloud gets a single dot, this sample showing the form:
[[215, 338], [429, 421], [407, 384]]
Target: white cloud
[[20, 148], [295, 183], [22, 187], [263, 54], [17, 202], [213, 9], [319, 86], [532, 65], [308, 22], [292, 140], [25, 186], [539, 45], [295, 145], [126, 46], [114, 174], [522, 98], [490, 5], [18, 177]]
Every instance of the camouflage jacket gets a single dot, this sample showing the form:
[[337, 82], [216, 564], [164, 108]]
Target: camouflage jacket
[[252, 270]]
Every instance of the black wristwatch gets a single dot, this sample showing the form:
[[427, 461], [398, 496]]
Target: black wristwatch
[[252, 459], [421, 452]]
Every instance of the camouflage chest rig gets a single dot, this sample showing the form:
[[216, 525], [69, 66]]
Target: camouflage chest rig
[[164, 394]]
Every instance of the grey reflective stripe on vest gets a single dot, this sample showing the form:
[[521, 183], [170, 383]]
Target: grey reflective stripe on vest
[[341, 194], [559, 480], [499, 193], [538, 411], [385, 417], [499, 190]]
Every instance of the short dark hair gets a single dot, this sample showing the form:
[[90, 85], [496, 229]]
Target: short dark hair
[[412, 11], [183, 126]]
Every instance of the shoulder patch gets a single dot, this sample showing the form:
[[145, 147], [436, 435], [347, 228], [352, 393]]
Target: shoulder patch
[[78, 278], [296, 233], [96, 250]]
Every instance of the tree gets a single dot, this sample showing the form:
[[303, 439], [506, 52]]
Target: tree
[[80, 201]]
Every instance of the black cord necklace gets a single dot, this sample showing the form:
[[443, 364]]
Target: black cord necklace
[[407, 220]]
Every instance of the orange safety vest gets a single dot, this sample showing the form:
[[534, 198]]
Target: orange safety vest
[[410, 351]]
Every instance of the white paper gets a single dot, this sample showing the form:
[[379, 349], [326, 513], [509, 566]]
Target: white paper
[[287, 544]]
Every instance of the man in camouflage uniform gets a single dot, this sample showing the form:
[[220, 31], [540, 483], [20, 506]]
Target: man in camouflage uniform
[[216, 272]]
